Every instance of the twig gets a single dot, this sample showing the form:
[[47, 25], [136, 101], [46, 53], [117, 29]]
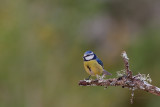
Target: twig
[[138, 81], [125, 58]]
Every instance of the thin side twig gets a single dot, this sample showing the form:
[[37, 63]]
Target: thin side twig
[[126, 63]]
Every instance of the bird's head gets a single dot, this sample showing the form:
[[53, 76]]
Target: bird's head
[[89, 55]]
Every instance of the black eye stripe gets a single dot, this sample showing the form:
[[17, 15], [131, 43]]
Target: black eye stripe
[[88, 55]]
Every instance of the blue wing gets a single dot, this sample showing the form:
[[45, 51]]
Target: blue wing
[[100, 62]]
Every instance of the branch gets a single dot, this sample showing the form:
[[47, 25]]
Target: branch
[[139, 81], [125, 58]]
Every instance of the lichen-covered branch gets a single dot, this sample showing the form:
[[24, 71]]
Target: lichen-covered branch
[[125, 58], [135, 83], [139, 81]]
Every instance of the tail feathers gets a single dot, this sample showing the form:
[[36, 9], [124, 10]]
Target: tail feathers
[[106, 72]]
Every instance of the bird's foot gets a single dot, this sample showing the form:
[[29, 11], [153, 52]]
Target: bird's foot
[[88, 77]]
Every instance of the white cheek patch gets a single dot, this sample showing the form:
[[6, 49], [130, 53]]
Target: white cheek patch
[[89, 57]]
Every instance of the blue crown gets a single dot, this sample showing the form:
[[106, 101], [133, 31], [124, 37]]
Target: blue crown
[[88, 52]]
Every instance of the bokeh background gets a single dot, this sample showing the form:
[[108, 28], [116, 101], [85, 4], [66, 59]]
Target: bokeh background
[[42, 43]]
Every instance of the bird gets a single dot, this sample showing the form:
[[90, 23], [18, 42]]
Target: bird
[[93, 65]]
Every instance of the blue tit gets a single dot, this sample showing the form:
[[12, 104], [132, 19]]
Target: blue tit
[[93, 65]]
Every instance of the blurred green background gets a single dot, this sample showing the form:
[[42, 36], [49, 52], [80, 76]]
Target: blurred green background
[[42, 43]]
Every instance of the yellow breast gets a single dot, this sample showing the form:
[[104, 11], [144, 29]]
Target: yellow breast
[[93, 68]]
